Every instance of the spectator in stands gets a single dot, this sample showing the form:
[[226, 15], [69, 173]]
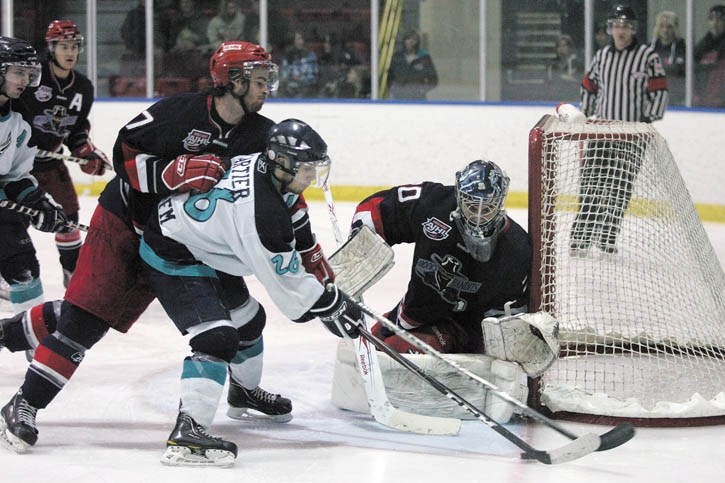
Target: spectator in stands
[[710, 61], [227, 25], [335, 61], [412, 73], [300, 72], [133, 33], [565, 71], [668, 44], [356, 84], [601, 36], [187, 57]]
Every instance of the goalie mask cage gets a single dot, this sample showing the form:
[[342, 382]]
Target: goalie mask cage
[[640, 301]]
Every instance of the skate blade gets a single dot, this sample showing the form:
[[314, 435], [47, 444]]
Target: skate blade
[[244, 414], [10, 441], [183, 456]]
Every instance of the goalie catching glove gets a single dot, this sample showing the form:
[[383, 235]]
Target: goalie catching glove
[[193, 172], [532, 340], [340, 314], [96, 160]]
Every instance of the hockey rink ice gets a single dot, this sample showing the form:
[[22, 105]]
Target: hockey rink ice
[[111, 422]]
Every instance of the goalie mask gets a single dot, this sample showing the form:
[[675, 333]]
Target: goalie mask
[[294, 147], [19, 53], [236, 59], [481, 189]]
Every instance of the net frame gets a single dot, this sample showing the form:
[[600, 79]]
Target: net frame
[[660, 361]]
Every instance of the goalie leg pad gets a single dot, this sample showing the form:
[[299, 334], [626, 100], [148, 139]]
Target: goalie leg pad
[[409, 393], [529, 339]]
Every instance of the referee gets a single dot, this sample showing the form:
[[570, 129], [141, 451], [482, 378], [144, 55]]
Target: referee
[[626, 82]]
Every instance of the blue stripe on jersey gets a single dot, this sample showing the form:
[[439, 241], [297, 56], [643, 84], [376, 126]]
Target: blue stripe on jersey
[[170, 268], [214, 370]]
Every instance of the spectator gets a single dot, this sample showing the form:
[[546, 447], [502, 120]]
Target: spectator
[[336, 60], [601, 36], [356, 84], [564, 72], [412, 73], [133, 33], [187, 57], [228, 25], [668, 44], [300, 73], [710, 61]]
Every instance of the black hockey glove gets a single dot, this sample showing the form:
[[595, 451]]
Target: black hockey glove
[[338, 312], [50, 216]]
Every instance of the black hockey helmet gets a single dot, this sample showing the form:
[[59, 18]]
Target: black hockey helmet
[[20, 53], [621, 15], [481, 189], [292, 143]]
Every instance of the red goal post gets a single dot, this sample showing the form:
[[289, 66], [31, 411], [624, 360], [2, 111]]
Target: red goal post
[[622, 260]]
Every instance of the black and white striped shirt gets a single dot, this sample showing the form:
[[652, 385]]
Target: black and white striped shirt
[[625, 85]]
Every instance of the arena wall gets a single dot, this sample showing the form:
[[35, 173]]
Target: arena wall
[[376, 145]]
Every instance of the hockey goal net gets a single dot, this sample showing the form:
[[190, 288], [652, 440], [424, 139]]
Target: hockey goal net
[[622, 260]]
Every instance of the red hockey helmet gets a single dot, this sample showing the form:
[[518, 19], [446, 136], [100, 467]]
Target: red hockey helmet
[[236, 59], [59, 30]]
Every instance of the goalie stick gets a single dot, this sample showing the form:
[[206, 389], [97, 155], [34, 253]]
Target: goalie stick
[[580, 446], [66, 157], [25, 210], [381, 409]]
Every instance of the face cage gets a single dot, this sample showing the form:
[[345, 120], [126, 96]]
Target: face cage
[[479, 243], [79, 39], [321, 166], [248, 67], [35, 73]]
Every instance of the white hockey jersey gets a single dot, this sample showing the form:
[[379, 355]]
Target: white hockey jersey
[[16, 157], [242, 227]]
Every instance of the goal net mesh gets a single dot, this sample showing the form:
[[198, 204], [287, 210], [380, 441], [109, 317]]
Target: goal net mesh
[[622, 260]]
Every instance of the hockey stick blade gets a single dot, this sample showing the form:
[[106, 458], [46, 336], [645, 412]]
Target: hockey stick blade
[[617, 436], [575, 449]]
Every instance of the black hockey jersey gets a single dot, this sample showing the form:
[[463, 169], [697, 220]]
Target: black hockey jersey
[[446, 283], [57, 110]]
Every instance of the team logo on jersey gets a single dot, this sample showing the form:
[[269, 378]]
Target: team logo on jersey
[[55, 121], [44, 94], [435, 229], [443, 274], [196, 140]]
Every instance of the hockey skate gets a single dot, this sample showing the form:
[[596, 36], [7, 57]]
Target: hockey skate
[[17, 424], [241, 400], [190, 445]]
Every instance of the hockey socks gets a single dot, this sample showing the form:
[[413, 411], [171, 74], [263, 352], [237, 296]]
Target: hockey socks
[[202, 383]]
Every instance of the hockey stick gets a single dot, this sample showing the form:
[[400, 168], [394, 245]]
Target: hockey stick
[[574, 450], [615, 437], [25, 210], [381, 409], [65, 157]]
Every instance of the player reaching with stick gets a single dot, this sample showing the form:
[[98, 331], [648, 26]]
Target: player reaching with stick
[[243, 226]]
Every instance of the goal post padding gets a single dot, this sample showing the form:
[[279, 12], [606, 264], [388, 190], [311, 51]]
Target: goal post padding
[[641, 301]]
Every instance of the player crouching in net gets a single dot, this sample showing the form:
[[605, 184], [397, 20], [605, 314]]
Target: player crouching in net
[[467, 294], [242, 226]]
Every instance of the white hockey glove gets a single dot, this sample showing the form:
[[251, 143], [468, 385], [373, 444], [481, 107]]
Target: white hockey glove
[[532, 340]]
